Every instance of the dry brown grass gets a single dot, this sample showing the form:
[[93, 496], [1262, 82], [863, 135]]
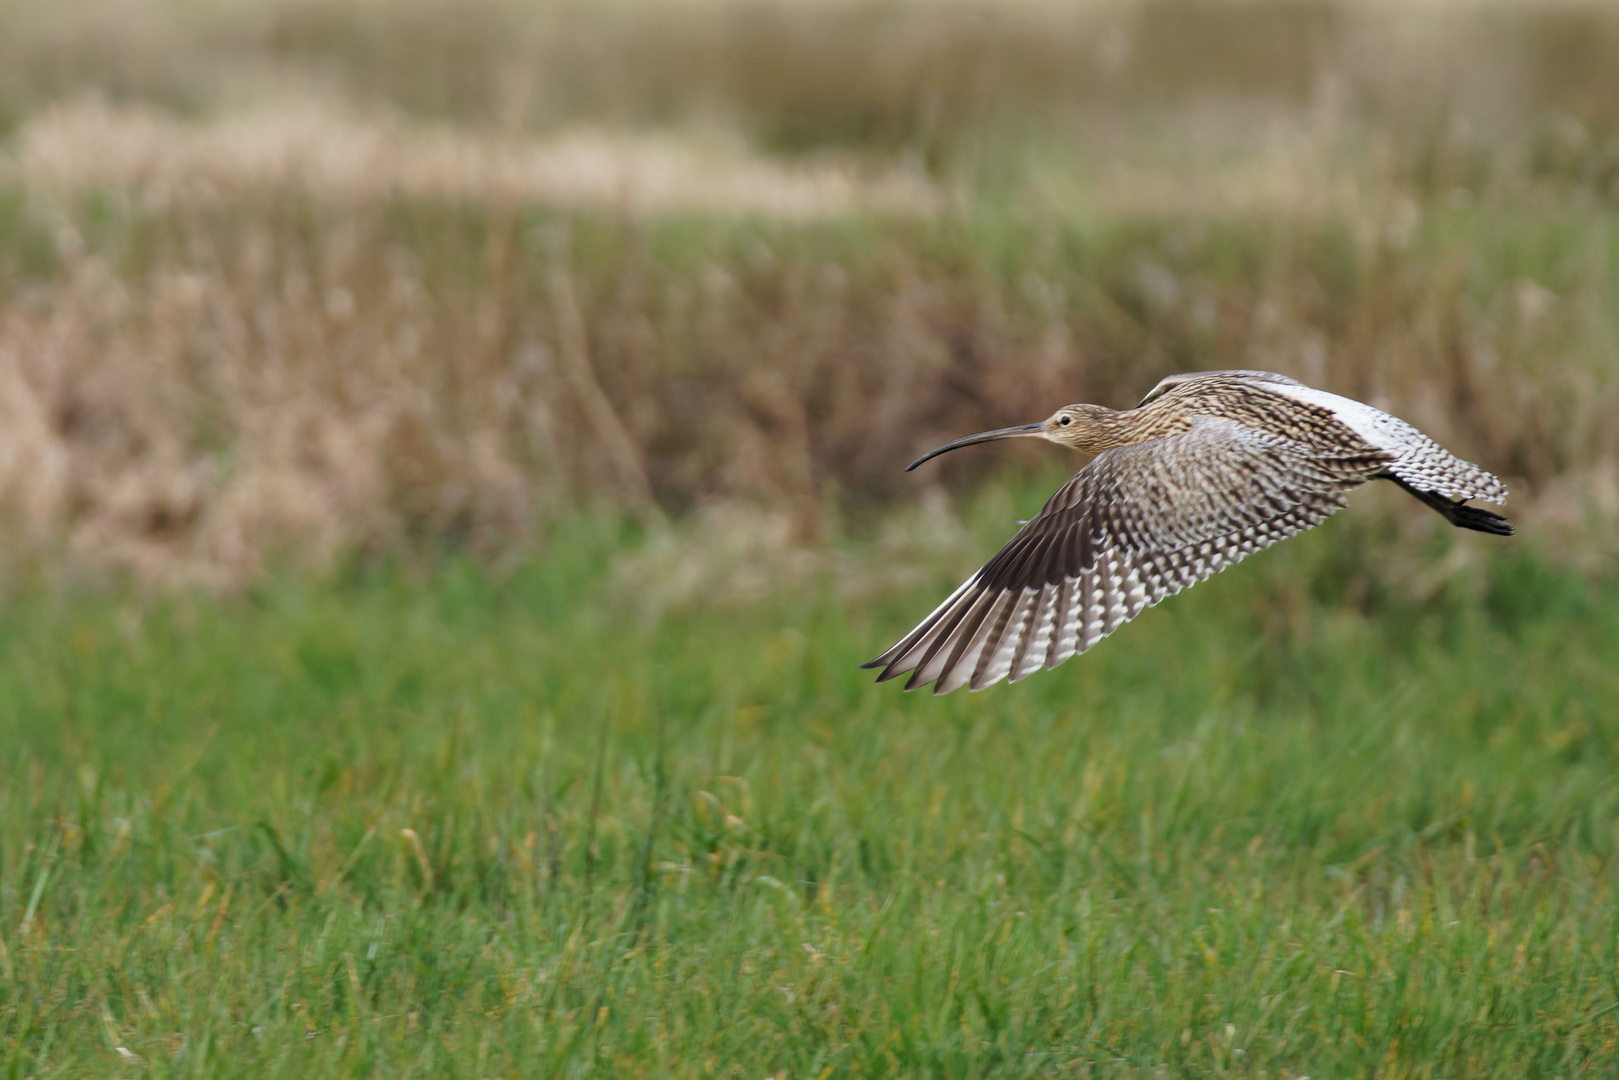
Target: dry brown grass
[[168, 164], [191, 395], [252, 332]]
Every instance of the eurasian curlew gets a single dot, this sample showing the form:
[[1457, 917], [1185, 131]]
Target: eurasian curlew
[[1209, 468]]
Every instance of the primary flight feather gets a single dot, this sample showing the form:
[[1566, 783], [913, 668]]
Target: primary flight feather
[[1209, 468]]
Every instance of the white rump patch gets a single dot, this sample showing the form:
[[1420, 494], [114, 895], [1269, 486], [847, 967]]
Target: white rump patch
[[1374, 425]]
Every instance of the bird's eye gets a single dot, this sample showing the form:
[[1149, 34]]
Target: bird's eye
[[1065, 421]]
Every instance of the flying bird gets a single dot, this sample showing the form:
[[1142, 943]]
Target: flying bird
[[1209, 468]]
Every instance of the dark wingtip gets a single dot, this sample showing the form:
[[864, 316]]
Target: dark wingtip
[[1481, 520], [869, 664]]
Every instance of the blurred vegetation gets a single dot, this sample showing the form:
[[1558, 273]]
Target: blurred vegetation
[[239, 337], [847, 73], [1454, 87], [202, 390]]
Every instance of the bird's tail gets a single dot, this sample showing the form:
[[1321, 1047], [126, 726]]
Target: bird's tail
[[1458, 513], [1478, 519]]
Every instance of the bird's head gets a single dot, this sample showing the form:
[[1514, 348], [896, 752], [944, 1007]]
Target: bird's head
[[1082, 427]]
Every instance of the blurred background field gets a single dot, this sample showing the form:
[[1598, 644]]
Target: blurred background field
[[287, 281], [485, 420]]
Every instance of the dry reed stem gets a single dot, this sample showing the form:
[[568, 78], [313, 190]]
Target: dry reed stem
[[612, 438]]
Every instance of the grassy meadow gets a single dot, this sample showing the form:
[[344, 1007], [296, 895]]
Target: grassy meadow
[[450, 471], [452, 823]]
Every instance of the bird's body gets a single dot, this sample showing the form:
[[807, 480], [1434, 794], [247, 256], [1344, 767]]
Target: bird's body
[[1208, 469]]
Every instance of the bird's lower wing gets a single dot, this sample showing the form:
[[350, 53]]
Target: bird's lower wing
[[1135, 525]]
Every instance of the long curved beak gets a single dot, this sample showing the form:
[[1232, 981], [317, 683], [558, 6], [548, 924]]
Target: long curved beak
[[1021, 431]]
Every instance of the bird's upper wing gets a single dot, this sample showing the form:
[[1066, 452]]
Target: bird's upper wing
[[1168, 383], [1135, 525]]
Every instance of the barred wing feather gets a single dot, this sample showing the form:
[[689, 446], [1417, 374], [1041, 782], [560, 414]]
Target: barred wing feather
[[1135, 525]]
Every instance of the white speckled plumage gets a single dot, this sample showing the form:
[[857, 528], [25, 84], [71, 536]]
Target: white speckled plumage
[[1418, 459], [1208, 469]]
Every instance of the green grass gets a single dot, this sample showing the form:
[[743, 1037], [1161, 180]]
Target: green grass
[[1288, 823]]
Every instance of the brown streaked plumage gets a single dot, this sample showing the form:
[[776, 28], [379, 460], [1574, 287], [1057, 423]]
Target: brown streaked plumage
[[1209, 468]]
